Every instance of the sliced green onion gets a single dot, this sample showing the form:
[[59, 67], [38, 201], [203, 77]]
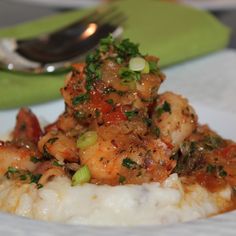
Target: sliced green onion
[[137, 64], [81, 176], [146, 68], [87, 139]]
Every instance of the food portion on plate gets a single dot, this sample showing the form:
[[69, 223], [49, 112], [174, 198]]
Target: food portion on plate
[[120, 154]]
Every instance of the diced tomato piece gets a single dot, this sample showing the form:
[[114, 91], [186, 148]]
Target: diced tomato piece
[[27, 126], [109, 115], [99, 103], [116, 115]]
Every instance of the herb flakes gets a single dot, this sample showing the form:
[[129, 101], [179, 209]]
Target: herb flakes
[[34, 159], [82, 98], [56, 163], [127, 49], [122, 179], [129, 163], [212, 142], [164, 108], [23, 175], [131, 114], [216, 169]]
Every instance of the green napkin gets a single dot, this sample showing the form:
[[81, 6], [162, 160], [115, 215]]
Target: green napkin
[[173, 32]]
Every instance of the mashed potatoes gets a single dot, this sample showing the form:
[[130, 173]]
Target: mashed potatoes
[[145, 204]]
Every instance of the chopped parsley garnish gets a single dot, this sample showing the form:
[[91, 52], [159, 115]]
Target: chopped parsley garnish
[[97, 113], [126, 73], [105, 43], [189, 158], [153, 66], [129, 77], [35, 159], [23, 175], [210, 168], [35, 178], [127, 49], [156, 131], [92, 69], [79, 114], [219, 170], [120, 52], [222, 173], [164, 108], [147, 121], [39, 186], [212, 142], [122, 179], [56, 163], [131, 114], [12, 170], [82, 98], [129, 163], [188, 148], [110, 101]]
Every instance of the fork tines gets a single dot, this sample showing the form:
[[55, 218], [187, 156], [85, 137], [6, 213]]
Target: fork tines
[[68, 44]]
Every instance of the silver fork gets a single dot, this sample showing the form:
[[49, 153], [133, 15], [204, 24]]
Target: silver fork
[[58, 50]]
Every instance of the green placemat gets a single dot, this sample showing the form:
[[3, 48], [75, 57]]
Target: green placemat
[[173, 32]]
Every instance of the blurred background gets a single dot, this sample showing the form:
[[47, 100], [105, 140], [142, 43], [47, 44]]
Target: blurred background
[[16, 11]]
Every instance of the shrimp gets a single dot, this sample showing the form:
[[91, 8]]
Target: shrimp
[[227, 159], [48, 170], [58, 145], [74, 84], [110, 75], [27, 127], [125, 154], [17, 157], [110, 90], [175, 118], [208, 159]]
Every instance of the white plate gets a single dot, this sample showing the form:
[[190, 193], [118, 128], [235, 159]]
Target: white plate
[[216, 226], [210, 84]]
